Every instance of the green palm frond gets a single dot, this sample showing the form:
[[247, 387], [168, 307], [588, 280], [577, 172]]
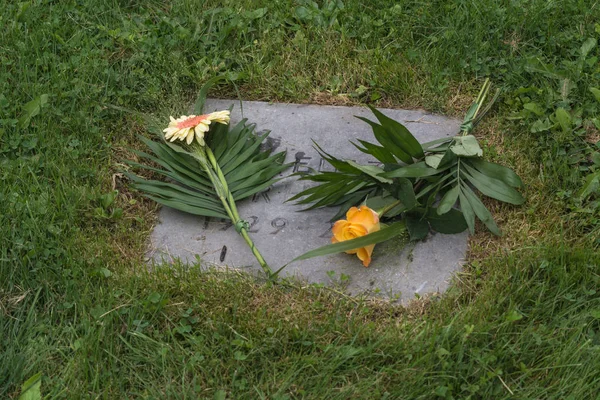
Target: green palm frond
[[248, 169], [446, 172], [207, 175]]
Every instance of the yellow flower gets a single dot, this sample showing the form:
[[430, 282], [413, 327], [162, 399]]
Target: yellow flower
[[359, 222], [186, 126]]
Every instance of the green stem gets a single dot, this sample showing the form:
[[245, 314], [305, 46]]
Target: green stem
[[215, 165], [230, 207], [397, 202], [479, 102], [219, 189], [263, 264], [482, 95], [388, 208]]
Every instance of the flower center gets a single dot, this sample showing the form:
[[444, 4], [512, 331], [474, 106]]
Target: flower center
[[191, 122]]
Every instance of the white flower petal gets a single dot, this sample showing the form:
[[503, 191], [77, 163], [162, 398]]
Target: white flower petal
[[182, 133], [221, 117], [200, 137], [170, 132]]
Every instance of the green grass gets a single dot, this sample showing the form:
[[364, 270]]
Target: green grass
[[78, 304]]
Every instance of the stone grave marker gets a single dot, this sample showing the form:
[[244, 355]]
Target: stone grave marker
[[281, 232]]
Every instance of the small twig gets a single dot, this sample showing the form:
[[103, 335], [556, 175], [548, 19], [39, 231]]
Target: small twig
[[114, 309], [121, 250], [506, 386], [420, 121], [237, 333]]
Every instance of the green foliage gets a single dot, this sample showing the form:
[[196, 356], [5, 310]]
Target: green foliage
[[32, 109], [95, 335], [560, 108], [31, 389], [247, 168], [416, 178], [106, 209], [202, 334]]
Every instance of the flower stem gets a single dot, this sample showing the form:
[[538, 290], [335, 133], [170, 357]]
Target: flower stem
[[263, 264], [230, 206], [482, 95], [471, 117], [388, 208]]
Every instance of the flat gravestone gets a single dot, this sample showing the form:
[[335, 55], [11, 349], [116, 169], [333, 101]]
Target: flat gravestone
[[398, 269]]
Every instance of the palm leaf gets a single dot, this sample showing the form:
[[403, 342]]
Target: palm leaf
[[247, 168], [384, 137], [379, 152], [399, 134]]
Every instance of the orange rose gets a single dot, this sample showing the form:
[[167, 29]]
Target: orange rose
[[360, 221]]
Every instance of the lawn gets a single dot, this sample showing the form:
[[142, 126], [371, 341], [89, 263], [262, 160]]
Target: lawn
[[79, 305]]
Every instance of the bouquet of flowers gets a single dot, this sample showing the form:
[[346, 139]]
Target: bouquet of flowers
[[208, 166], [416, 187]]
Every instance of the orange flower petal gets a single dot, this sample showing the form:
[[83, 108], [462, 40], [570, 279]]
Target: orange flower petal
[[353, 231], [351, 211], [364, 216], [364, 254], [361, 221], [375, 228], [338, 229], [193, 121]]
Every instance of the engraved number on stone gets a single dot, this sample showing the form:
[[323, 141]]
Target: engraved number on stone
[[301, 163], [278, 223], [253, 220], [264, 194], [223, 253]]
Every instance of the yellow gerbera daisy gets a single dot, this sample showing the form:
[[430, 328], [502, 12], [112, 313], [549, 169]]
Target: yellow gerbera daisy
[[186, 126]]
